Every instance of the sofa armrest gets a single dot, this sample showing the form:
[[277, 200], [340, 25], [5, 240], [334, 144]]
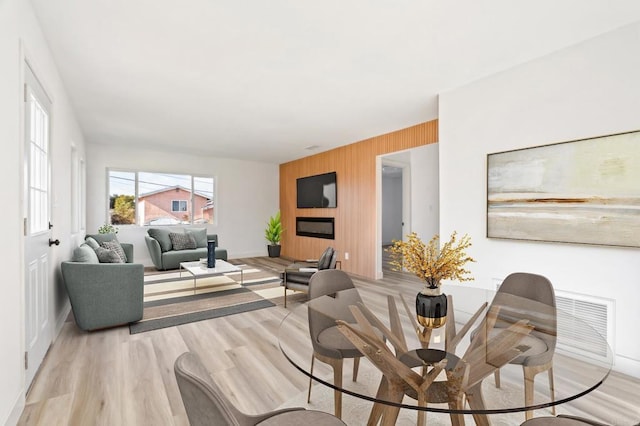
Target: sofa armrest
[[128, 251], [154, 251], [104, 294]]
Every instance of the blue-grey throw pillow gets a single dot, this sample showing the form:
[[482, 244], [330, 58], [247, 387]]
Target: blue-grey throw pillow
[[108, 256], [116, 247], [182, 241], [91, 242], [85, 254], [200, 235], [162, 236]]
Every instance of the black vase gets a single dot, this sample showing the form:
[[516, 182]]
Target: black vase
[[211, 254], [431, 310]]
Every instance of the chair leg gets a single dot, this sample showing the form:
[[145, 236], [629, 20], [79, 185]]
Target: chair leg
[[337, 381], [496, 377], [285, 290], [529, 376], [552, 390], [356, 364], [310, 380], [336, 364]]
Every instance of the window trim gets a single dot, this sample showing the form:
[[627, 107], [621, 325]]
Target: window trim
[[193, 176]]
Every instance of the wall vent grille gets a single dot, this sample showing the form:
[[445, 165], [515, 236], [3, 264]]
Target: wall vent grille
[[596, 313], [584, 311]]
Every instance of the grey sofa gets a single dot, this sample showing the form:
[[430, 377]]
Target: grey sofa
[[103, 294], [163, 254]]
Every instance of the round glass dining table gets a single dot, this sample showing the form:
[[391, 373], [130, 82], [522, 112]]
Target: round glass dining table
[[479, 339]]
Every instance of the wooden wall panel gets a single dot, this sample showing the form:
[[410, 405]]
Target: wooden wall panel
[[355, 216]]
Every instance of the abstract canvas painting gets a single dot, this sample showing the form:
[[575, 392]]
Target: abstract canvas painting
[[585, 191]]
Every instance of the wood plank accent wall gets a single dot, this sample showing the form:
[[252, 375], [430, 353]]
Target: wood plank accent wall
[[355, 216]]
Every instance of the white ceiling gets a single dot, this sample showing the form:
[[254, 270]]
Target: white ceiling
[[263, 80]]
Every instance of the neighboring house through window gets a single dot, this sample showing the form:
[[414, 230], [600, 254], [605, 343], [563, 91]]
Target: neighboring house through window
[[145, 198]]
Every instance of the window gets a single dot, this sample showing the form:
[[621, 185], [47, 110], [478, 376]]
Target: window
[[179, 206], [146, 198]]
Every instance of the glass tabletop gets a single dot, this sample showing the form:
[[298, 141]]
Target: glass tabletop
[[477, 340]]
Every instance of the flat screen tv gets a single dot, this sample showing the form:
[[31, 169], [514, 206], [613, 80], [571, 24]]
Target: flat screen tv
[[319, 191]]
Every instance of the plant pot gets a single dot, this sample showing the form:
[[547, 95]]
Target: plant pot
[[431, 307], [274, 250]]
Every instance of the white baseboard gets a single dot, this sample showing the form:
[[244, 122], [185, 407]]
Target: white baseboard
[[16, 411], [628, 366], [62, 317], [242, 255]]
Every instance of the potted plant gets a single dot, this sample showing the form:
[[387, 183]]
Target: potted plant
[[432, 263], [107, 228], [273, 233]]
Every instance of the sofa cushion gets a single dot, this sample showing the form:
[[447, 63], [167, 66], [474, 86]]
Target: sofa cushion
[[108, 256], [200, 234], [100, 238], [162, 236], [182, 241], [115, 246], [85, 254], [91, 242]]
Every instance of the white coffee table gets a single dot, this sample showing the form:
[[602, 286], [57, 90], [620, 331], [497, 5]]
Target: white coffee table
[[199, 270]]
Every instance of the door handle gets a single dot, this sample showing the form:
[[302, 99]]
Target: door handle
[[52, 242]]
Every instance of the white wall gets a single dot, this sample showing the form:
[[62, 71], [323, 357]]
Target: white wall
[[425, 211], [20, 36], [247, 195], [587, 90]]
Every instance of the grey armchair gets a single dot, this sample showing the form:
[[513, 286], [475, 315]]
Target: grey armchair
[[103, 294], [297, 275], [207, 405]]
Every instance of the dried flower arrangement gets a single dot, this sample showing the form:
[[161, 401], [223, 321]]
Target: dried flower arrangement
[[430, 262]]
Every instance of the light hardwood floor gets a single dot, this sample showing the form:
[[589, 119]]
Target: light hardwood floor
[[110, 377]]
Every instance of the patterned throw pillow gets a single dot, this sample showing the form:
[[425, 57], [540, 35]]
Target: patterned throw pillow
[[182, 241], [116, 247], [107, 256]]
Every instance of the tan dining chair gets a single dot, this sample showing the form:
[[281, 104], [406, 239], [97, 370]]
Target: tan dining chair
[[531, 296], [329, 345], [206, 404]]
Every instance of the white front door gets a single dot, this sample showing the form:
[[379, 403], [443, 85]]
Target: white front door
[[36, 208]]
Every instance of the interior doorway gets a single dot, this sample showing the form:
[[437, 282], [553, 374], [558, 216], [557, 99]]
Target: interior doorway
[[395, 212], [411, 202]]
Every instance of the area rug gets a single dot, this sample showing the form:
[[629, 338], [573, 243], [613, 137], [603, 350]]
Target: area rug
[[170, 299]]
